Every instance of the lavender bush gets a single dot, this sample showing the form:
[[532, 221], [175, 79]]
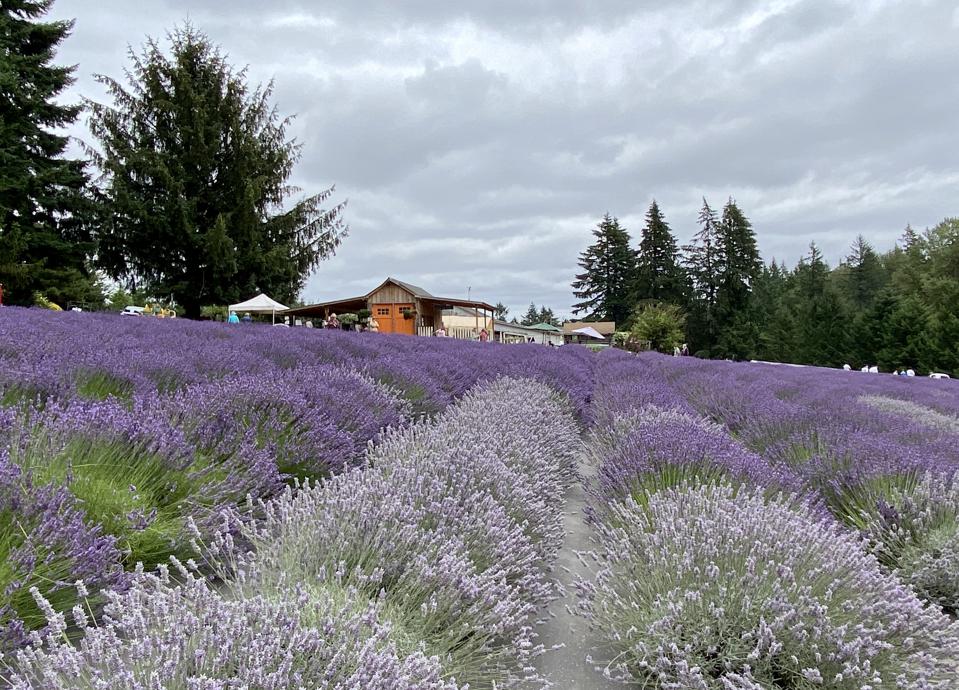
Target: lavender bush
[[45, 543], [454, 525], [645, 450], [914, 528], [708, 587], [184, 634]]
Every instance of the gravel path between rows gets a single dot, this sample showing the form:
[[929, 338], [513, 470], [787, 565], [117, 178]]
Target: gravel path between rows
[[567, 668]]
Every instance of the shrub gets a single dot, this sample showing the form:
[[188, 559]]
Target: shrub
[[914, 527], [186, 635], [706, 588], [46, 543], [454, 524], [646, 450]]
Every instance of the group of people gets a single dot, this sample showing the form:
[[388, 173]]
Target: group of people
[[681, 351], [233, 318], [873, 369], [440, 332], [371, 324]]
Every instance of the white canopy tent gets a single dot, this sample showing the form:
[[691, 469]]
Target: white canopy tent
[[590, 331], [261, 304]]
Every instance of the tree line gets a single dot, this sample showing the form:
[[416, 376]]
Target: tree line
[[894, 309], [184, 193]]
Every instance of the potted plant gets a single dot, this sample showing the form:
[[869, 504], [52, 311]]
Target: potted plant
[[348, 321], [408, 313]]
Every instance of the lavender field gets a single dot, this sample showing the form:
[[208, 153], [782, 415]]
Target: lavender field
[[213, 507]]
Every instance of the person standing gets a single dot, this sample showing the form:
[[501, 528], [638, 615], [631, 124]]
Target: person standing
[[233, 318], [484, 335], [374, 325]]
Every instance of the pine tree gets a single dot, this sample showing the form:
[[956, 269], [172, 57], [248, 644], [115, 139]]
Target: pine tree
[[501, 311], [818, 314], [740, 258], [704, 261], [865, 273], [532, 315], [609, 268], [546, 315], [737, 334], [195, 200], [659, 275], [44, 237]]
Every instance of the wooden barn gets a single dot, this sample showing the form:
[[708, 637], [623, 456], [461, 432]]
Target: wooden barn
[[401, 308]]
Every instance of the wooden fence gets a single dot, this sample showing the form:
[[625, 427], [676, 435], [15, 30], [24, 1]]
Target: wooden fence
[[458, 333]]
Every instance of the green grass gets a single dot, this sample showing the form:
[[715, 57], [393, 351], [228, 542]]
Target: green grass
[[100, 385], [133, 493]]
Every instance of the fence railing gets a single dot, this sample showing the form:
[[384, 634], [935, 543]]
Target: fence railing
[[459, 333]]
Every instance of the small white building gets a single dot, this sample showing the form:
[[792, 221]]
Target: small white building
[[541, 334]]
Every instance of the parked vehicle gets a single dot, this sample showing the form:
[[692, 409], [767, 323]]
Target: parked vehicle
[[939, 375], [132, 311]]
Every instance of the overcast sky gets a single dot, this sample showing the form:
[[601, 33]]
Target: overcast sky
[[479, 143]]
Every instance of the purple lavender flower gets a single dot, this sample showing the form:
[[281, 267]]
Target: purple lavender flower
[[713, 587]]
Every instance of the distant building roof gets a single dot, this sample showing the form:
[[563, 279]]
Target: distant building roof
[[412, 289], [546, 327], [603, 327], [360, 302]]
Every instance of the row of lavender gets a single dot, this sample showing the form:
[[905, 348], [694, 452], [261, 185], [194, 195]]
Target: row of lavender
[[117, 434], [424, 569], [724, 501], [881, 453]]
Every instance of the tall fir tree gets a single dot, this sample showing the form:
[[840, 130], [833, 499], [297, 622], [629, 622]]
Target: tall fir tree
[[195, 196], [546, 315], [740, 258], [609, 268], [659, 275], [44, 239], [704, 261], [737, 331], [501, 311], [865, 274], [531, 316], [818, 313]]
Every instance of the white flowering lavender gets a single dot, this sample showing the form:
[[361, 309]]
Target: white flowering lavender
[[162, 634], [714, 588], [915, 531], [919, 413], [453, 525]]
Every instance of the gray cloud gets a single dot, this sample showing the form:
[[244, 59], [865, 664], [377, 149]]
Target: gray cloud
[[479, 143]]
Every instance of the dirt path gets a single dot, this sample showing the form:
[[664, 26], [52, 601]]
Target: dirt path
[[567, 668]]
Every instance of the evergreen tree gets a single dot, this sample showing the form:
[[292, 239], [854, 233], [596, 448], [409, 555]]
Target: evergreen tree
[[737, 332], [546, 315], [818, 314], [940, 297], [195, 197], [740, 259], [704, 261], [609, 267], [659, 275], [865, 274], [44, 240], [501, 311], [532, 315]]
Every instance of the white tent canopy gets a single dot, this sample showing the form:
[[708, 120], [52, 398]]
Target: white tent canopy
[[590, 331], [261, 304]]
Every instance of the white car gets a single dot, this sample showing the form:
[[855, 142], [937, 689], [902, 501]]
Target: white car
[[132, 311], [938, 375]]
